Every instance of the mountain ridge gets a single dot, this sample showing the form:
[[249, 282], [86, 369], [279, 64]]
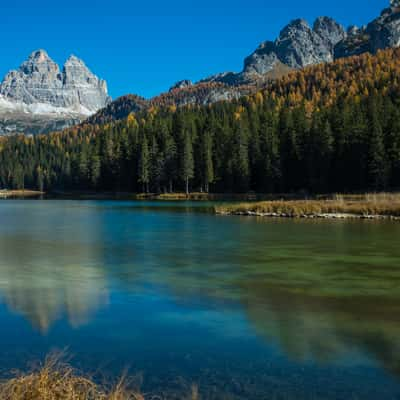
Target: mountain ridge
[[40, 89], [298, 45]]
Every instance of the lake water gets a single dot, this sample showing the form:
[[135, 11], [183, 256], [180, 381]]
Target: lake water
[[244, 308]]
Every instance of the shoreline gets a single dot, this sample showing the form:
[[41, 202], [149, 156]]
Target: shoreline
[[176, 196], [20, 194], [375, 206], [370, 207], [55, 379], [342, 216]]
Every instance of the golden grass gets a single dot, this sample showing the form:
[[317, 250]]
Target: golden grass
[[173, 196], [19, 193], [56, 380], [385, 205]]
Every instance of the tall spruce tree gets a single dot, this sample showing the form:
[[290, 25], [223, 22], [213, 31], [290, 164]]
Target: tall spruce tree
[[377, 168], [144, 165], [187, 160]]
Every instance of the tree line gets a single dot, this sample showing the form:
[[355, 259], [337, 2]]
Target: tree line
[[332, 127]]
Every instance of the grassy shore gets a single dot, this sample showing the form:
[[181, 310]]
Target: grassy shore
[[177, 196], [368, 206], [55, 379], [19, 194]]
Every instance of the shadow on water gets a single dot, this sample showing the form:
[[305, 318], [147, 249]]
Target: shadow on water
[[265, 305]]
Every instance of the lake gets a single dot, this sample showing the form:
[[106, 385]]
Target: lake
[[245, 308]]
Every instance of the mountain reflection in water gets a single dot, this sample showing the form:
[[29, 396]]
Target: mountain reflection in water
[[319, 292]]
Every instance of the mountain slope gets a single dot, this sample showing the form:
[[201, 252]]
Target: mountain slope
[[181, 94], [299, 45]]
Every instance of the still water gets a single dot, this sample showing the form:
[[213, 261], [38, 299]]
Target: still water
[[244, 308]]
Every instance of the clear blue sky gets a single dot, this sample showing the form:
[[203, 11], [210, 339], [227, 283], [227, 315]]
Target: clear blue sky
[[144, 47]]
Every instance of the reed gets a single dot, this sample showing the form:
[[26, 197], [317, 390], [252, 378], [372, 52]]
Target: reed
[[384, 205], [56, 380]]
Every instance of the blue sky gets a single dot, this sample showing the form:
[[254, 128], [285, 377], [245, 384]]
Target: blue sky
[[144, 47]]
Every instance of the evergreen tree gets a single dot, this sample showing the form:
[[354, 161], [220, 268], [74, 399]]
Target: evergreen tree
[[187, 161], [95, 170], [208, 165], [377, 165], [393, 148], [39, 179], [240, 161], [170, 162], [144, 165]]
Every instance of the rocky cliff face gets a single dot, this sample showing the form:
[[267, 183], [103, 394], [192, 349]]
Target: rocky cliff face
[[82, 87], [329, 31], [39, 81], [297, 46], [300, 45], [41, 90], [383, 32], [186, 83]]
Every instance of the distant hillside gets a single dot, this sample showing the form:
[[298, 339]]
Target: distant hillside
[[189, 94]]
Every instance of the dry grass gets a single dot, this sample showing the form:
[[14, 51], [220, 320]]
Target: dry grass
[[56, 380], [19, 193], [362, 205], [173, 196]]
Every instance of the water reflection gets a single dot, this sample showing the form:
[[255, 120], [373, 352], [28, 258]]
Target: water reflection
[[320, 292], [49, 294], [45, 276], [327, 329]]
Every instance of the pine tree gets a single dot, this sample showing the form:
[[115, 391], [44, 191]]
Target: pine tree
[[170, 162], [240, 159], [95, 170], [187, 160], [377, 164], [39, 179], [393, 148], [144, 165], [208, 164]]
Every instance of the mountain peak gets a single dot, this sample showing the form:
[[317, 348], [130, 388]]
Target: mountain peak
[[329, 31], [395, 3], [293, 27], [295, 24], [40, 62], [39, 56], [39, 85], [324, 21], [74, 60], [185, 83]]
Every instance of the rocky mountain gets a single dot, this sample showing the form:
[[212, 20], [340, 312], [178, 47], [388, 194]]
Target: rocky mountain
[[297, 46], [381, 33], [39, 91], [181, 94], [182, 84], [40, 88], [300, 45]]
